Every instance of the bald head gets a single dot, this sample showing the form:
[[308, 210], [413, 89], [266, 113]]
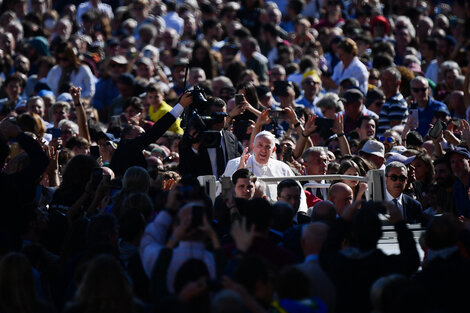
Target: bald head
[[341, 195], [324, 211], [313, 237]]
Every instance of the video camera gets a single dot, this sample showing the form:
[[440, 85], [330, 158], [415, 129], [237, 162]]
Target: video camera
[[197, 117]]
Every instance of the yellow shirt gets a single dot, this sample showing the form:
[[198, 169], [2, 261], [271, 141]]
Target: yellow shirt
[[165, 108]]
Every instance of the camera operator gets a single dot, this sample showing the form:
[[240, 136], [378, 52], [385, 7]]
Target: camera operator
[[199, 158], [129, 151]]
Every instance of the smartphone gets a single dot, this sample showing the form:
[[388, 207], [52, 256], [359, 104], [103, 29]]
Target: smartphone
[[95, 152], [276, 114], [436, 130], [227, 187], [287, 154], [415, 116], [97, 176], [239, 98], [55, 132], [196, 216]]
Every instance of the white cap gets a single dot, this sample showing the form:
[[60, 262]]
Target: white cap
[[374, 147]]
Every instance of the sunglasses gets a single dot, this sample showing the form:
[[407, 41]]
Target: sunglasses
[[388, 139], [419, 89], [394, 177], [61, 59]]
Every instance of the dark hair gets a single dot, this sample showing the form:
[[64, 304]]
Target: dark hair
[[76, 142], [287, 183], [367, 118], [208, 24], [251, 95], [134, 102], [441, 233], [131, 225], [414, 139], [243, 173], [250, 271], [293, 284], [259, 212], [190, 271], [153, 87], [101, 227]]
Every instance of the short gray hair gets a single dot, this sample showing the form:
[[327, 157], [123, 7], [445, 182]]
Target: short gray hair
[[419, 79], [395, 164], [308, 153], [330, 100], [394, 71], [71, 124], [267, 135]]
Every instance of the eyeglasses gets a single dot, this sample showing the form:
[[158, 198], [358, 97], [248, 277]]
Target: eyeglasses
[[419, 89], [394, 177], [388, 139]]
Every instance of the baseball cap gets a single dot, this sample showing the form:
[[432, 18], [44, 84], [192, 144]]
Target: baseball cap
[[400, 158], [144, 60], [462, 151], [352, 95], [374, 147], [65, 96], [119, 59]]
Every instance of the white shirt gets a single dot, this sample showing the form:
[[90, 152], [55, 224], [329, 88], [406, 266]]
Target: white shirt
[[273, 168], [83, 77], [173, 20], [213, 155], [389, 197], [356, 70], [432, 71]]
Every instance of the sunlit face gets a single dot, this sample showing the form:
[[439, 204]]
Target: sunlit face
[[396, 181], [245, 188], [36, 106], [263, 150], [318, 164], [353, 172], [13, 89], [420, 169], [366, 130], [154, 98]]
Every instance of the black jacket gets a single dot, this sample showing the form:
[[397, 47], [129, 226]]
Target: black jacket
[[129, 151], [198, 164], [413, 210]]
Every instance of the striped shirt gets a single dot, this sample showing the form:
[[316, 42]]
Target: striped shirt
[[394, 109]]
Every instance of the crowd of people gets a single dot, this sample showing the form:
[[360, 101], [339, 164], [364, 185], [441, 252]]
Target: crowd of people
[[110, 111]]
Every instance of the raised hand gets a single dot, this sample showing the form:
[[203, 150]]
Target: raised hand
[[264, 119], [244, 158], [243, 237], [291, 117], [338, 124], [310, 126], [76, 93]]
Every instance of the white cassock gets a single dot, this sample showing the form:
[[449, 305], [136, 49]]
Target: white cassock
[[273, 168]]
